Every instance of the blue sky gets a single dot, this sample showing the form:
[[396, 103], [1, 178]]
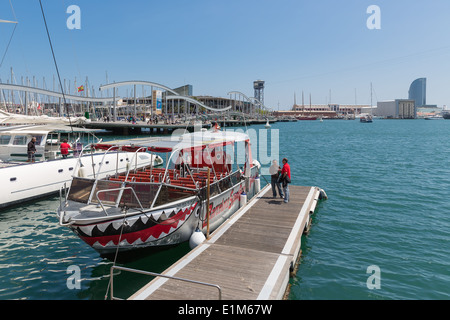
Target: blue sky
[[318, 47]]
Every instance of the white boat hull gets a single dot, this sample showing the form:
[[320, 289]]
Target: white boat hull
[[28, 181]]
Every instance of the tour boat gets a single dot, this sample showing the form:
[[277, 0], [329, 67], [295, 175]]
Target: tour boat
[[159, 207], [22, 181]]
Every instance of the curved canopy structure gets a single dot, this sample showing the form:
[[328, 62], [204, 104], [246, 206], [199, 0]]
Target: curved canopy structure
[[16, 87], [240, 93], [131, 83], [259, 103]]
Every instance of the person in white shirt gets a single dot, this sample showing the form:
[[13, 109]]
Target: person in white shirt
[[274, 171]]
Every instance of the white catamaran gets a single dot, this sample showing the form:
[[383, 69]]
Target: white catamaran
[[162, 206]]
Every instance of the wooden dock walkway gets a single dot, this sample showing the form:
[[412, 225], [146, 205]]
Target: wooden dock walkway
[[250, 256]]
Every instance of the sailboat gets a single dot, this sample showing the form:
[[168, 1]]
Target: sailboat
[[368, 118]]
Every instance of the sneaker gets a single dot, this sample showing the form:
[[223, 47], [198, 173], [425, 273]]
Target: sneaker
[[286, 201]]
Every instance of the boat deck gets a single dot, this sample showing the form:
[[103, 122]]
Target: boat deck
[[250, 256], [10, 164]]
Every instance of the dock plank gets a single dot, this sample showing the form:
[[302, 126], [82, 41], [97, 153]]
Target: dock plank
[[249, 256]]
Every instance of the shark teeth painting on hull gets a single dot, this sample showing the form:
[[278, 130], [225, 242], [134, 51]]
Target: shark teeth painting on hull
[[86, 230], [136, 231]]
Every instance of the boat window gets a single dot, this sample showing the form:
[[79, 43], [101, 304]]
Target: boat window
[[38, 139], [146, 193], [20, 140], [109, 192], [4, 139], [80, 189]]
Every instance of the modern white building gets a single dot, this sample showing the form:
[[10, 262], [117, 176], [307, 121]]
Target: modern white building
[[397, 109]]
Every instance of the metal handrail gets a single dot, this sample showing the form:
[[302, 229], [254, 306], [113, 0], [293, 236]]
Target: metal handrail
[[158, 275]]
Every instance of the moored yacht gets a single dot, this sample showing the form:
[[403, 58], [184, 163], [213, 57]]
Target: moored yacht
[[22, 181]]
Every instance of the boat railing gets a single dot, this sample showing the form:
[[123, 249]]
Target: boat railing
[[134, 158], [62, 190], [97, 177], [153, 274], [79, 164], [121, 190], [113, 193]]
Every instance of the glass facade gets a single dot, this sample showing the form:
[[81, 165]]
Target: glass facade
[[418, 92]]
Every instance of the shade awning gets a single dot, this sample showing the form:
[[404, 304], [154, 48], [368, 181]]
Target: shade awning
[[186, 141]]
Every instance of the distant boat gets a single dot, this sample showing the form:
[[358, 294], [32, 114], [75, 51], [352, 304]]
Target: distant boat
[[436, 117], [446, 115], [306, 118], [366, 119], [267, 126]]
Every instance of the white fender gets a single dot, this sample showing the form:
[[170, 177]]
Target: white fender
[[82, 172], [257, 184], [196, 238], [243, 199]]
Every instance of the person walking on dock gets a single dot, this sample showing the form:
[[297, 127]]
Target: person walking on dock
[[274, 171], [286, 179]]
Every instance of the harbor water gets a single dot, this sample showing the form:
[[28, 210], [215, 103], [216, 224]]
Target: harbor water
[[387, 210]]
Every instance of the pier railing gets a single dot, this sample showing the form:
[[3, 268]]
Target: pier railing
[[158, 275]]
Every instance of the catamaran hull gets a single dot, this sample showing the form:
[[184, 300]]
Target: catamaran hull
[[24, 182], [170, 226]]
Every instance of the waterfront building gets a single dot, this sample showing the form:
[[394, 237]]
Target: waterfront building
[[410, 108], [331, 110], [186, 90], [396, 109], [418, 92], [221, 103]]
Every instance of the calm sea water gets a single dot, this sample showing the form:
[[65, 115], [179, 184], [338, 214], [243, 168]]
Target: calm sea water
[[388, 206]]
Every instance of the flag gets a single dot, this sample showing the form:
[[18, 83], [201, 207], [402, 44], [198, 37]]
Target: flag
[[80, 88]]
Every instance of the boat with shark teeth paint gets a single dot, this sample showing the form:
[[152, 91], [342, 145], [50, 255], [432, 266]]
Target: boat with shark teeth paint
[[159, 207]]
